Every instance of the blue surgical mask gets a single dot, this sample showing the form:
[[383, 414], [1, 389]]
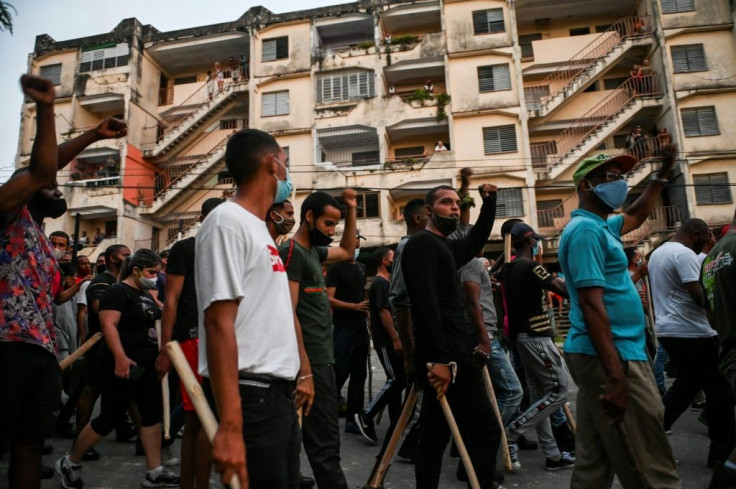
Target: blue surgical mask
[[283, 187], [613, 194], [357, 252], [535, 250]]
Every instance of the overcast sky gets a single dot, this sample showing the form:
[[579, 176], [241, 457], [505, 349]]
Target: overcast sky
[[70, 19]]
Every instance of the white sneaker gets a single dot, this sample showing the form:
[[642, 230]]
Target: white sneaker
[[514, 454]]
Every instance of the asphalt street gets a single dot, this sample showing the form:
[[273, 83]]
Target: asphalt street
[[119, 468]]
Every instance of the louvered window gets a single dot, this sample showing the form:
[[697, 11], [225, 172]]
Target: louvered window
[[686, 59], [275, 103], [712, 188], [488, 21], [510, 203], [493, 78], [525, 43], [276, 48], [52, 72], [345, 86], [104, 56], [700, 121], [499, 139], [674, 6]]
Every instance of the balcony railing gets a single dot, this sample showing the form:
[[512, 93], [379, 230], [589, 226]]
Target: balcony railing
[[550, 154], [175, 172], [583, 60], [662, 218]]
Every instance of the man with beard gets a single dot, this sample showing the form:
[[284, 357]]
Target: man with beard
[[29, 372], [280, 220], [430, 263]]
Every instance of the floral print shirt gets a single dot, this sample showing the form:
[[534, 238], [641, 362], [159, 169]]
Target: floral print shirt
[[29, 280]]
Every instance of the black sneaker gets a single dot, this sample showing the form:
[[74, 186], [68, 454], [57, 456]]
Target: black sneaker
[[164, 478], [71, 475], [697, 406], [365, 425], [566, 461], [91, 455], [305, 482]]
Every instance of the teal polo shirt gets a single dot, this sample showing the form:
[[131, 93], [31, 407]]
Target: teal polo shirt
[[591, 254]]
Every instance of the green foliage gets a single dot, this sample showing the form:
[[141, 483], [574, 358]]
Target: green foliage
[[405, 39], [442, 100], [6, 18], [364, 45], [419, 94]]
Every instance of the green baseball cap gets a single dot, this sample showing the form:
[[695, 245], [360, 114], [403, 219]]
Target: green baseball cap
[[623, 161]]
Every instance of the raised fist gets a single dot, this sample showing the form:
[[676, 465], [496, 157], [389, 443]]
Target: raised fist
[[40, 90]]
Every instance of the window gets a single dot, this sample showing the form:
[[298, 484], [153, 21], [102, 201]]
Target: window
[[228, 123], [275, 103], [492, 78], [368, 204], [286, 152], [364, 158], [500, 139], [700, 121], [412, 151], [52, 72], [686, 59], [488, 21], [224, 177], [540, 152], [613, 83], [712, 188], [277, 48], [104, 56], [547, 211], [602, 28], [510, 203], [580, 31], [525, 42], [339, 87], [674, 6]]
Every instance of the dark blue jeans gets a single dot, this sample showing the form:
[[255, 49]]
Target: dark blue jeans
[[696, 362]]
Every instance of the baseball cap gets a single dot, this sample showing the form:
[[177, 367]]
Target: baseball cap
[[624, 161], [522, 230], [358, 235]]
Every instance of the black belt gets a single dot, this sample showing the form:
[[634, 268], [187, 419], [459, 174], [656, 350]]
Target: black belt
[[262, 380]]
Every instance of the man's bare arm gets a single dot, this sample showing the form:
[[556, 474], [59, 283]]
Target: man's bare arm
[[108, 128], [174, 286], [304, 393]]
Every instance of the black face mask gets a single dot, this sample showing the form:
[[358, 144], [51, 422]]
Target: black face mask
[[100, 269], [445, 225], [318, 238], [52, 208], [389, 267]]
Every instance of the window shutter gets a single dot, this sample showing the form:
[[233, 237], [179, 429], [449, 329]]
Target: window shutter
[[318, 92], [98, 59], [679, 59], [268, 104], [501, 77], [685, 5], [690, 122], [707, 120], [269, 50], [712, 188], [696, 57], [282, 103], [123, 54], [52, 72], [510, 203], [495, 20], [480, 22], [499, 139], [485, 79], [282, 48]]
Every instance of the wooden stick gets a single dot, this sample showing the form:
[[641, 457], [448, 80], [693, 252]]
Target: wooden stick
[[570, 419], [196, 394], [650, 308], [388, 455], [507, 248], [80, 351], [494, 403], [164, 391], [472, 478]]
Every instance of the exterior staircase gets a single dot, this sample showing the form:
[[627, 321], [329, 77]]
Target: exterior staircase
[[179, 122], [179, 176], [590, 62], [587, 132]]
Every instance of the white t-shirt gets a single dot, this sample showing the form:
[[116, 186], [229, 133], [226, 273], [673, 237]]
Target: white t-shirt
[[81, 296], [670, 266], [236, 259]]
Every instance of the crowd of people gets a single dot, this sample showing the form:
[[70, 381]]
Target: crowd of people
[[274, 322]]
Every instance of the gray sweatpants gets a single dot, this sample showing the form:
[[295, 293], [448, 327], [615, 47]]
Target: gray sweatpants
[[547, 382]]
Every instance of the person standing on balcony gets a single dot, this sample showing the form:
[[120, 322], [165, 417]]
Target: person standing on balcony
[[646, 75], [443, 358], [619, 429], [234, 70], [440, 146], [179, 321], [210, 85], [303, 256], [243, 66], [683, 330], [99, 236], [219, 76]]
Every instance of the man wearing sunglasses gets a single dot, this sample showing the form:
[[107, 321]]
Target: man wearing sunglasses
[[618, 405]]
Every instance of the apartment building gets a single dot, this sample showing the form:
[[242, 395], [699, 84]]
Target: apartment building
[[361, 94]]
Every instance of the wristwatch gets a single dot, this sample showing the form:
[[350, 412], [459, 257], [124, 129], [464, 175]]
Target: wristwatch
[[658, 179]]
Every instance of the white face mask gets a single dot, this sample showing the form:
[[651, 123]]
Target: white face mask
[[147, 283], [59, 253]]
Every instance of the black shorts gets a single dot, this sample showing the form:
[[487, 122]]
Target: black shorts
[[30, 393]]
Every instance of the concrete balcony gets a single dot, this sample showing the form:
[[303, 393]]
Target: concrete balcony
[[94, 198]]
